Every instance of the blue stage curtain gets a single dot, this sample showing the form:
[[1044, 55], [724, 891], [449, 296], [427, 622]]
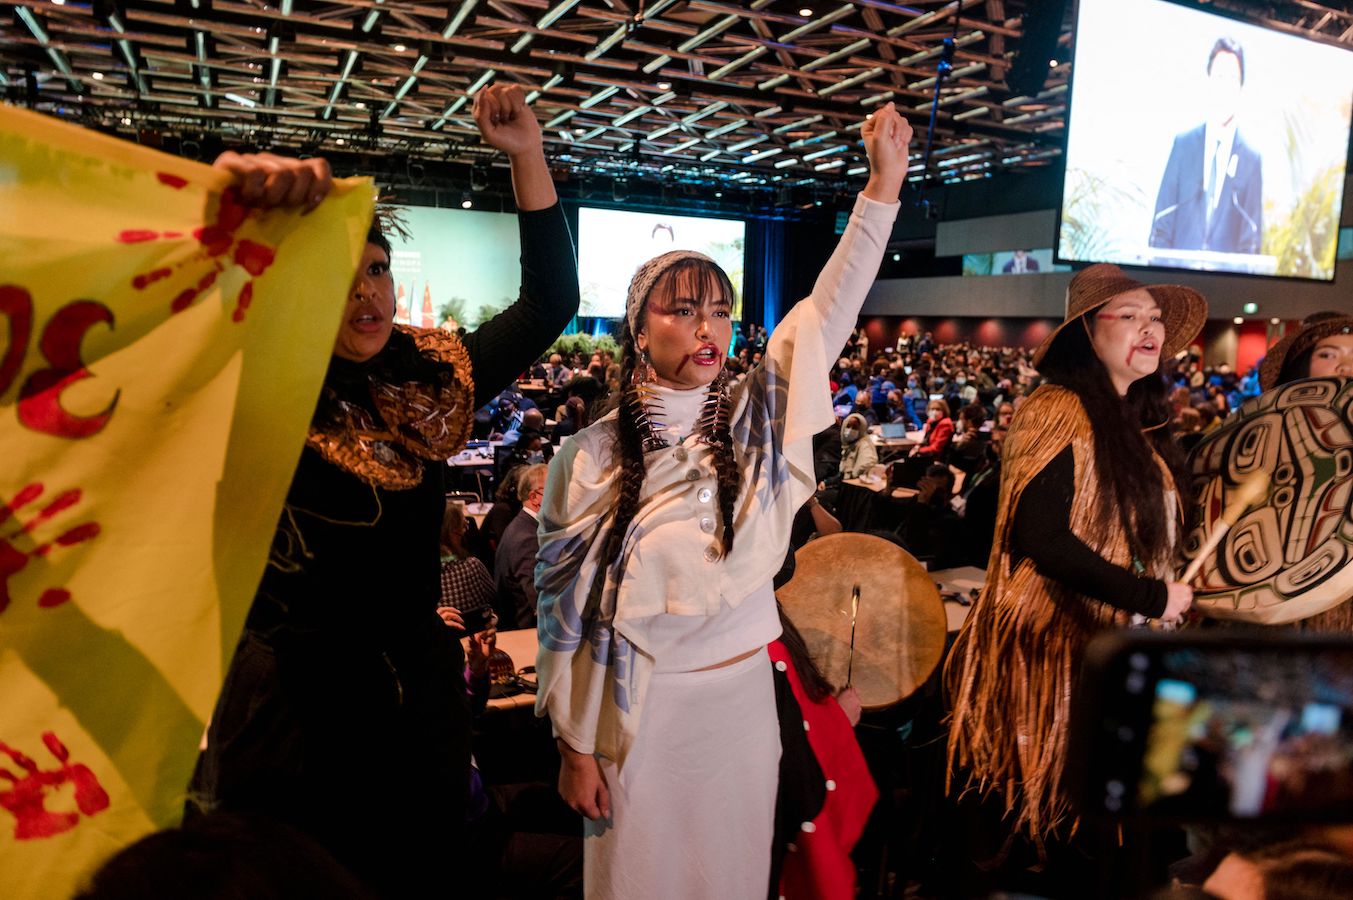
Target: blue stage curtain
[[763, 286]]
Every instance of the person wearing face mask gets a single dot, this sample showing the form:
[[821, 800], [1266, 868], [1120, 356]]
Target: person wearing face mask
[[1085, 540], [939, 432], [966, 391], [662, 527], [858, 456], [344, 664]]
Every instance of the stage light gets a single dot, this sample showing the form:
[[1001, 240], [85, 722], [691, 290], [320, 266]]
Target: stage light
[[465, 202], [1052, 64], [663, 85], [1275, 321], [98, 76], [1250, 308], [897, 257], [400, 48], [805, 12], [1238, 320]]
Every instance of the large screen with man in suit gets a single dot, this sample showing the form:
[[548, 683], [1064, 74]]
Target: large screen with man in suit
[[1198, 141]]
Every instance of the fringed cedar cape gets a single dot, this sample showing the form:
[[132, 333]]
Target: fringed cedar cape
[[1014, 666]]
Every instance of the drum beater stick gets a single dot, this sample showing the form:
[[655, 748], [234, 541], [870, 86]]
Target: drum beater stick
[[1251, 490], [854, 611]]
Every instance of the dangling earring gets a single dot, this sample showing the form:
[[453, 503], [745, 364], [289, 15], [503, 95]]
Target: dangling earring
[[646, 406], [643, 373], [716, 414]]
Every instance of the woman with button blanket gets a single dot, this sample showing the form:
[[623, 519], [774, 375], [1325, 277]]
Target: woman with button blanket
[[653, 622]]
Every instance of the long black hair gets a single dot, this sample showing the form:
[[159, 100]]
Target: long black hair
[[1126, 430], [701, 277], [815, 684]]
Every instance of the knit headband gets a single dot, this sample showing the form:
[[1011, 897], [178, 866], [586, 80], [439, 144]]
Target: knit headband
[[647, 275]]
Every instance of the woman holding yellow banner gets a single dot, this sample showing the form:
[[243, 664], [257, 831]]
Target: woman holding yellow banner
[[343, 712]]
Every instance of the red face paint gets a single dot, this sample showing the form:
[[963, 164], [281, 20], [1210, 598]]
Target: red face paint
[[1130, 354], [681, 365]]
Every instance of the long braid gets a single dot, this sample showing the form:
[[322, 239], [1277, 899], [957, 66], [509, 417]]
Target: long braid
[[632, 467], [630, 435], [715, 427], [730, 483]]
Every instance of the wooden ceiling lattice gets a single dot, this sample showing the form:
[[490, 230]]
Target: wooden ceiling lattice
[[760, 95]]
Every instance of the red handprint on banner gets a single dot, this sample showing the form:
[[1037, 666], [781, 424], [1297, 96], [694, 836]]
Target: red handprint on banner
[[28, 794], [13, 560], [217, 240]]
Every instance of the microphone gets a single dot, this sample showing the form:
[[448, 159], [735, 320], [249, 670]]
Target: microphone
[[1192, 198]]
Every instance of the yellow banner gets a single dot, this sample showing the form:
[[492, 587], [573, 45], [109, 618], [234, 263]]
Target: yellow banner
[[161, 350]]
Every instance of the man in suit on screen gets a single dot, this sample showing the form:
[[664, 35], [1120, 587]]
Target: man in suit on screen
[[1021, 262], [1211, 196]]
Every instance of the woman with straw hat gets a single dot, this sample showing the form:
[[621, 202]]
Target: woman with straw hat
[[1084, 541], [1321, 348]]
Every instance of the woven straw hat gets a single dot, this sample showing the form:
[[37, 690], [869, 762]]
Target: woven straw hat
[[1182, 309], [1316, 328]]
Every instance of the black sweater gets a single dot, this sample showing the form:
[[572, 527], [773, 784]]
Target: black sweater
[[344, 630], [1042, 533]]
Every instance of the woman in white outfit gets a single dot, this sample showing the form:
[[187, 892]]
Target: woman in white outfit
[[653, 623]]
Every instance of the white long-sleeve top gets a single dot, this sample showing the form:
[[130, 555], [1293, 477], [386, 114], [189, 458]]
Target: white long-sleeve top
[[597, 637]]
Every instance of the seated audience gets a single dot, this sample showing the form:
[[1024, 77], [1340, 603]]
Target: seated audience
[[466, 582], [968, 449], [515, 562], [571, 420]]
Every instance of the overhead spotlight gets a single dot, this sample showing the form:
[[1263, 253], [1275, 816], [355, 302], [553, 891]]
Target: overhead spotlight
[[805, 12], [718, 193], [465, 201], [1275, 321], [98, 76], [1239, 320], [663, 85], [400, 48], [1052, 64], [897, 257], [1250, 308]]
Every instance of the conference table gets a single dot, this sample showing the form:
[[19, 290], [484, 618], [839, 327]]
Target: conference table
[[520, 645]]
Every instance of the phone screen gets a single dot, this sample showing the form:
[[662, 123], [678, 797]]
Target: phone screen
[[1207, 730]]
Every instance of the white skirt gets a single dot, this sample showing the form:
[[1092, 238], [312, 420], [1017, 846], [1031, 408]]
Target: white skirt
[[694, 815]]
